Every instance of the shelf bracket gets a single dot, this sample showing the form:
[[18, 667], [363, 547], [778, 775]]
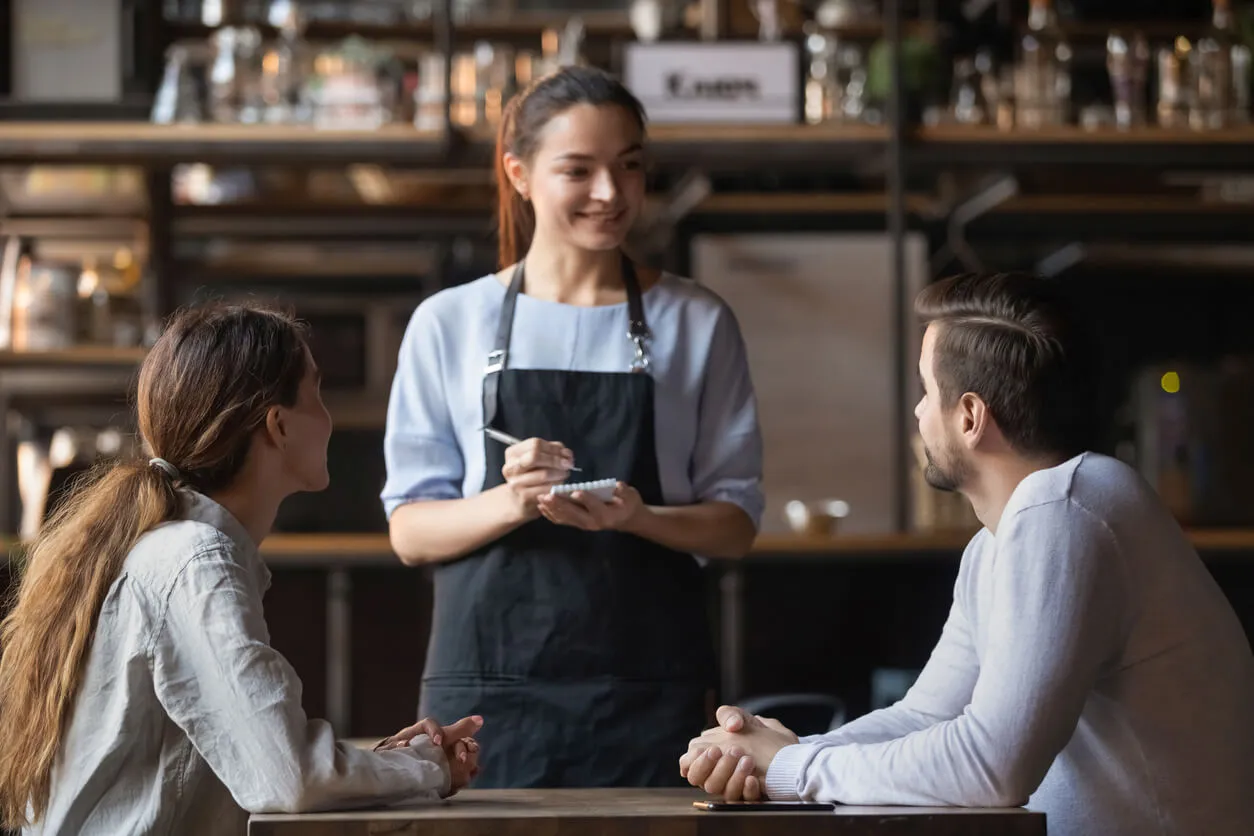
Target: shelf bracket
[[990, 193]]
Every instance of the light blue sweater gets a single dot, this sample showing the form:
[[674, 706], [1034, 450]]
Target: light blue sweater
[[1089, 662]]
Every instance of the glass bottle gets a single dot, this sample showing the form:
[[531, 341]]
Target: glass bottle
[[966, 101], [1211, 71], [1127, 62], [178, 98], [1043, 78], [1174, 94], [1241, 62], [820, 76]]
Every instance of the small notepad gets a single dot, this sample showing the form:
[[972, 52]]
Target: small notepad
[[602, 489]]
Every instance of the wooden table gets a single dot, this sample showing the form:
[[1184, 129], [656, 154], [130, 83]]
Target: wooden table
[[633, 812]]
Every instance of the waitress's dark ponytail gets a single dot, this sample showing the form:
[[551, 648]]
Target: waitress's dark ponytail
[[524, 118]]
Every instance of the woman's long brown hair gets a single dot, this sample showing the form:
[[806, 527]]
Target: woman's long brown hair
[[203, 391]]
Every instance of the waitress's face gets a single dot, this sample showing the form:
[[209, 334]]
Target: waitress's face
[[586, 182]]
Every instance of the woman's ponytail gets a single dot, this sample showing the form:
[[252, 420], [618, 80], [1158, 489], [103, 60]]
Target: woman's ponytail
[[515, 220]]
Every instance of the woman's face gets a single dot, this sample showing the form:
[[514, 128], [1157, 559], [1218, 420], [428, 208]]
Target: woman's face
[[307, 426], [586, 182]]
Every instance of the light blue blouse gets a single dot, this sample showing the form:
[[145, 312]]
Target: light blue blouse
[[709, 444]]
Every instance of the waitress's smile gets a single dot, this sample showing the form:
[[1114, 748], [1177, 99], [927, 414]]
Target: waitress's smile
[[611, 224]]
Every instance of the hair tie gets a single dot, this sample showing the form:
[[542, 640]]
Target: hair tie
[[162, 464]]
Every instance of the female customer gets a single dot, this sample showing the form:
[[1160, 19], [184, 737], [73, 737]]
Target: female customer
[[575, 624], [138, 688]]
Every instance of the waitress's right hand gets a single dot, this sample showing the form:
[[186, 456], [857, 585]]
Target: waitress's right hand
[[531, 468]]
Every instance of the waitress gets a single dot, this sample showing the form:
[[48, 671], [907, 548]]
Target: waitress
[[575, 626]]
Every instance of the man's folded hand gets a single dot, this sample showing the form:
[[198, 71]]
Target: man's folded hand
[[731, 759]]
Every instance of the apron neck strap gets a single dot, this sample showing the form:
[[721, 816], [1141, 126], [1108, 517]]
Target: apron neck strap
[[505, 323], [638, 328], [637, 332]]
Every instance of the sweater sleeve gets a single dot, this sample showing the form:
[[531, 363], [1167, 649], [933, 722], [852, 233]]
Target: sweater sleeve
[[727, 456], [420, 447], [944, 686], [940, 693], [1053, 623]]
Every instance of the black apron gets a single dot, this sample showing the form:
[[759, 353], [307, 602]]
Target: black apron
[[587, 653]]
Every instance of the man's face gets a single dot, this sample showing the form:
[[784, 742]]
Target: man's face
[[947, 466]]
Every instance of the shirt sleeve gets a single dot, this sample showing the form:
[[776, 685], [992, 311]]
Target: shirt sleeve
[[1054, 624], [941, 692], [420, 447], [239, 702], [727, 458]]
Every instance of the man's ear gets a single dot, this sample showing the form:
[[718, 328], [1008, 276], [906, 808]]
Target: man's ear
[[276, 428], [973, 419], [516, 171]]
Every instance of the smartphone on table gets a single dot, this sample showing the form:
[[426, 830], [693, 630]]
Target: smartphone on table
[[717, 805]]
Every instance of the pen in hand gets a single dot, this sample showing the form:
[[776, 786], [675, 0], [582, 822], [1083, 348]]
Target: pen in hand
[[506, 438]]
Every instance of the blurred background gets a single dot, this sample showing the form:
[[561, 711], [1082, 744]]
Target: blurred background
[[816, 162]]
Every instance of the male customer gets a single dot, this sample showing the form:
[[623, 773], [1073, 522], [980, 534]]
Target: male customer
[[1090, 667]]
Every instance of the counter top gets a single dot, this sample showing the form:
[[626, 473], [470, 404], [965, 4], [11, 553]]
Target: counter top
[[637, 812]]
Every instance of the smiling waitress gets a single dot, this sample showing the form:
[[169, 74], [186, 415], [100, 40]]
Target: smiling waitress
[[576, 627]]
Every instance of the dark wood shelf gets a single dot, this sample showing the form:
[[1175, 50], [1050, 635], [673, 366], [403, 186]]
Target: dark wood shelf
[[102, 370], [145, 143], [1212, 543], [374, 549], [1073, 136], [526, 25], [468, 210], [1117, 204], [713, 147], [853, 203], [516, 26], [80, 356], [65, 225], [981, 146], [82, 373], [856, 203]]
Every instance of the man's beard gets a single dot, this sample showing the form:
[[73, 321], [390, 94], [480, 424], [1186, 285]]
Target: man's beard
[[948, 479]]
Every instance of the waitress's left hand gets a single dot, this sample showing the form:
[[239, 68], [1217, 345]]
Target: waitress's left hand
[[585, 511]]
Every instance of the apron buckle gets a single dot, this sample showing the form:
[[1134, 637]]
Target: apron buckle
[[496, 361], [639, 363]]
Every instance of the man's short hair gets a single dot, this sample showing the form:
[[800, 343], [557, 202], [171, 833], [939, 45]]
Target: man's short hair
[[1017, 342]]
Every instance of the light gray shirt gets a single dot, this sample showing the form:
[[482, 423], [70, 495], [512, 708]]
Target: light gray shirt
[[1090, 666], [709, 444], [187, 720]]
